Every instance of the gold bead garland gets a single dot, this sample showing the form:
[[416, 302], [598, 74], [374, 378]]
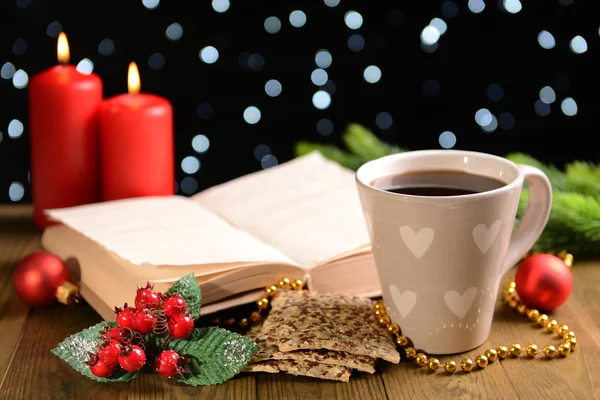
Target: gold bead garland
[[406, 346]]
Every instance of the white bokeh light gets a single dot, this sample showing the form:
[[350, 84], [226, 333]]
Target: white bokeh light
[[16, 191], [547, 95], [20, 79], [252, 115], [260, 151], [384, 120], [272, 25], [331, 3], [174, 31], [273, 88], [440, 24], [15, 129], [492, 126], [190, 165], [483, 117], [220, 6], [542, 109], [323, 59], [512, 6], [209, 55], [325, 127], [356, 42], [430, 35], [578, 45], [150, 4], [372, 74], [321, 100], [546, 40], [569, 107], [54, 29], [297, 18], [268, 161], [353, 19], [200, 144], [476, 6], [85, 66], [8, 70], [319, 77], [447, 140]]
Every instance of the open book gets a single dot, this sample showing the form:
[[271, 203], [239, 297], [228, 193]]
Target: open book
[[301, 219]]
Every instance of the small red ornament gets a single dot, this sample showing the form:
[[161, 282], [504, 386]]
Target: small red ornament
[[543, 282], [41, 278]]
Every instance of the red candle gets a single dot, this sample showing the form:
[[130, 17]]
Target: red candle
[[63, 105], [136, 144]]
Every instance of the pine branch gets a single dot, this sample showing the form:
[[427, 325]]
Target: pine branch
[[574, 224], [363, 142], [556, 177], [583, 178], [351, 161]]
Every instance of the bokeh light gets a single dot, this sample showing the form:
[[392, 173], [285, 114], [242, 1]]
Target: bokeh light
[[476, 6], [384, 120], [20, 79], [431, 87], [106, 47], [200, 144], [15, 129], [319, 77], [54, 29], [321, 100], [151, 4], [252, 115], [269, 161], [331, 3], [495, 92], [209, 55], [190, 165], [372, 74], [449, 9], [447, 140], [272, 25], [356, 42], [220, 6], [512, 6], [174, 31], [189, 185], [547, 95], [273, 88], [323, 59], [483, 117], [506, 121], [85, 66], [546, 40], [542, 109], [353, 20], [16, 191], [578, 45], [260, 151], [569, 107], [8, 70], [156, 61], [297, 18]]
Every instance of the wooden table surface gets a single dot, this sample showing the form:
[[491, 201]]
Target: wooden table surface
[[29, 371]]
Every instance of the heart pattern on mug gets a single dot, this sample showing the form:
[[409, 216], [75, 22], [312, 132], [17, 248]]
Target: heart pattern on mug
[[404, 302], [460, 304], [484, 237], [418, 243]]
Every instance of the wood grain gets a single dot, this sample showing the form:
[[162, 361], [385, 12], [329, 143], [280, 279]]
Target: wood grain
[[29, 370], [18, 236]]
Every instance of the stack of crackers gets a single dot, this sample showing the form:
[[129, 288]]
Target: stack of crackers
[[320, 335]]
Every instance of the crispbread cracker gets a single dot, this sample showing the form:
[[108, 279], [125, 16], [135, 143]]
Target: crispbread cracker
[[269, 366], [302, 368], [268, 350], [302, 320]]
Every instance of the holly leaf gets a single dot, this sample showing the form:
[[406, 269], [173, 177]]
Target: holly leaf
[[216, 355], [74, 351], [188, 288]]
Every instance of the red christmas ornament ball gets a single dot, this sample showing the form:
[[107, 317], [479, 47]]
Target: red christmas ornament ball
[[37, 277], [543, 282]]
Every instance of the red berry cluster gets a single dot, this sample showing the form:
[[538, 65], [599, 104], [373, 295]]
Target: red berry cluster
[[124, 346]]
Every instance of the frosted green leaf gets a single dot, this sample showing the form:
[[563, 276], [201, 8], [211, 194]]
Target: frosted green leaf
[[74, 351], [216, 355], [188, 288]]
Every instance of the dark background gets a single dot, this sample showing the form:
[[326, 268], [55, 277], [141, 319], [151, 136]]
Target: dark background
[[426, 93]]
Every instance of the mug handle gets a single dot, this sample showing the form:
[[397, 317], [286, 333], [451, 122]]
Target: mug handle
[[535, 218]]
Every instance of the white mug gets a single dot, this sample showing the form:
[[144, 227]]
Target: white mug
[[440, 259]]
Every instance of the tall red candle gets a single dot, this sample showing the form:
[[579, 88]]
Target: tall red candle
[[63, 105], [136, 144]]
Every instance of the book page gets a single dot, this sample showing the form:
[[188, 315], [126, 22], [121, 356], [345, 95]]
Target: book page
[[166, 231], [308, 208]]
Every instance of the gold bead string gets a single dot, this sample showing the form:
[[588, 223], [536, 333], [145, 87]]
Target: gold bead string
[[569, 341], [262, 305]]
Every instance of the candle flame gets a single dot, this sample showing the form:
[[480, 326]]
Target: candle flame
[[62, 49], [133, 79]]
